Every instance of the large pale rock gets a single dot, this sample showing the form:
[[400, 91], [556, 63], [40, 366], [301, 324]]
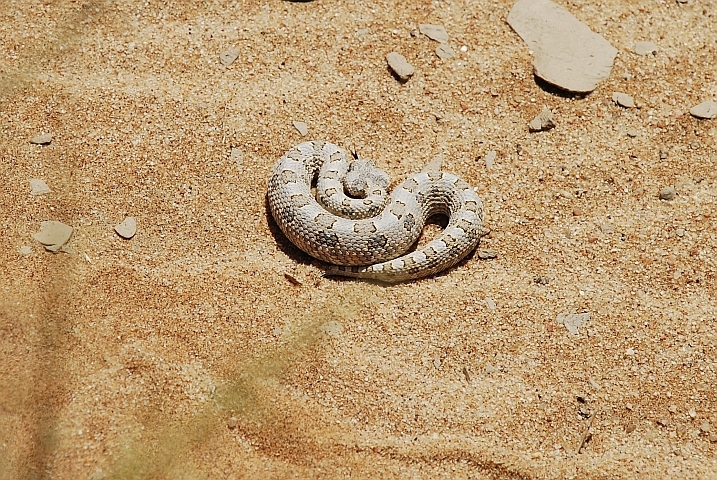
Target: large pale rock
[[566, 52]]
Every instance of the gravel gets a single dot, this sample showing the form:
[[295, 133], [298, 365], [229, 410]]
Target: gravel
[[543, 121], [668, 193], [573, 321], [38, 187], [302, 128], [705, 110], [227, 57], [127, 229], [399, 66], [53, 234], [445, 51], [623, 99], [434, 32], [43, 139]]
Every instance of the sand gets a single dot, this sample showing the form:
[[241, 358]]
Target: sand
[[207, 346]]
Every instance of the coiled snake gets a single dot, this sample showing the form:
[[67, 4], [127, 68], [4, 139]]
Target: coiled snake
[[363, 234]]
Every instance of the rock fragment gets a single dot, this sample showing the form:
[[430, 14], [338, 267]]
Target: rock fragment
[[543, 121], [623, 99], [53, 235], [573, 321], [645, 48], [25, 250], [705, 110], [227, 57], [237, 156], [445, 52], [668, 193], [434, 32], [43, 139], [302, 128], [490, 159], [127, 228], [566, 52], [399, 66], [38, 187]]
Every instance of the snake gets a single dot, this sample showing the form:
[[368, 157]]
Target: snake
[[338, 210]]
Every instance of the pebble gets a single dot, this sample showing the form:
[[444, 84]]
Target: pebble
[[227, 57], [232, 422], [127, 228], [573, 321], [445, 51], [664, 154], [302, 128], [490, 303], [705, 110], [237, 156], [672, 408], [489, 368], [566, 52], [594, 384], [623, 99], [490, 158], [38, 187], [25, 250], [543, 121], [680, 232], [692, 413], [53, 235], [630, 427], [632, 132], [434, 32], [645, 48], [43, 139], [487, 254], [668, 193], [399, 66], [706, 427]]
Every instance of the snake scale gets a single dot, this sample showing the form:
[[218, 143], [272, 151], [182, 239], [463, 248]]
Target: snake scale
[[351, 221]]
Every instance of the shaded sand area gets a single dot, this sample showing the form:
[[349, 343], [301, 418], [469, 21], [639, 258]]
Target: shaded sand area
[[207, 346]]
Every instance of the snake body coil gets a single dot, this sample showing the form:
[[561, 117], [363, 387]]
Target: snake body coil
[[367, 237]]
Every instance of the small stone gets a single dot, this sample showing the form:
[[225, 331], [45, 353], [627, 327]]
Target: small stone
[[490, 303], [232, 422], [53, 235], [227, 57], [695, 145], [672, 408], [594, 384], [237, 156], [663, 422], [127, 228], [623, 99], [437, 363], [541, 280], [543, 121], [577, 211], [487, 254], [573, 321], [632, 132], [25, 250], [490, 158], [668, 193], [302, 128], [706, 427], [607, 228], [630, 352], [680, 232], [43, 139], [713, 436], [705, 110], [630, 427], [566, 52], [692, 413], [664, 153], [489, 368], [399, 66], [445, 51], [629, 406], [645, 48], [434, 32], [38, 187]]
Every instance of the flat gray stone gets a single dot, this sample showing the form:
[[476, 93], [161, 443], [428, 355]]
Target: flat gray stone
[[398, 65], [227, 57], [573, 321], [566, 52], [445, 51], [645, 48], [490, 158], [434, 32], [302, 128], [43, 139], [53, 235], [705, 110], [127, 228], [543, 121], [38, 187], [623, 99]]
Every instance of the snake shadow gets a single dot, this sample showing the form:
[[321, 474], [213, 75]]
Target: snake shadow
[[438, 223]]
